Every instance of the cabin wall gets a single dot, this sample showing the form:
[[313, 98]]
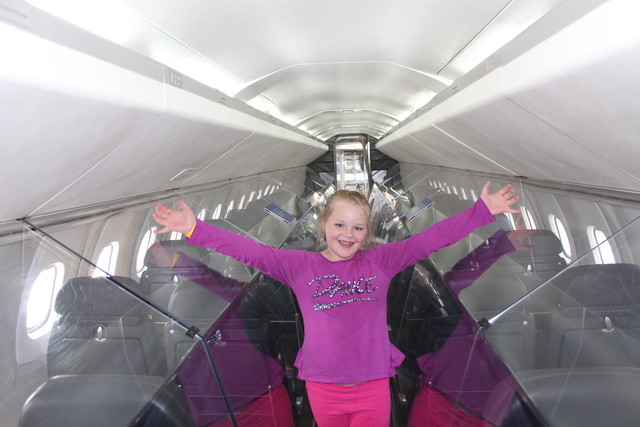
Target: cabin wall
[[579, 208]]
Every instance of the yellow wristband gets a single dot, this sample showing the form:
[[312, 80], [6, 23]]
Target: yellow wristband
[[191, 231], [176, 257]]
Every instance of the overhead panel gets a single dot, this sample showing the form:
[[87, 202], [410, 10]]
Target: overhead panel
[[62, 116], [597, 107], [572, 120], [81, 130]]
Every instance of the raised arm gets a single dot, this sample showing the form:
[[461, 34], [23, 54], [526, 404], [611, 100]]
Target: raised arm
[[241, 248], [500, 201], [182, 220]]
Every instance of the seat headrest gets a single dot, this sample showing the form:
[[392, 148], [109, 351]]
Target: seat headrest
[[279, 197], [96, 296], [544, 258], [192, 300], [223, 224], [450, 204], [601, 285], [544, 242], [257, 205], [160, 254]]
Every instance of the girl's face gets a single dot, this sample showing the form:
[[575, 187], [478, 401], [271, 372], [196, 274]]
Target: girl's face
[[345, 231]]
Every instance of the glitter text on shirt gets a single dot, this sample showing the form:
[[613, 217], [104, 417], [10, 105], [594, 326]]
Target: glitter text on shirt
[[332, 285]]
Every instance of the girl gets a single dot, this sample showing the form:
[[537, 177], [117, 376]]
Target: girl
[[346, 358]]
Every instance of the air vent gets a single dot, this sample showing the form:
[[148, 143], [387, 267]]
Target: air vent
[[175, 78]]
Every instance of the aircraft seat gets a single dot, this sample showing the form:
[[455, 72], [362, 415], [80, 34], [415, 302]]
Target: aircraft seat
[[598, 321], [272, 231], [228, 266], [102, 329], [194, 306], [240, 347], [159, 278], [585, 397], [100, 400], [514, 335], [282, 198], [244, 219], [544, 258], [450, 204], [445, 206]]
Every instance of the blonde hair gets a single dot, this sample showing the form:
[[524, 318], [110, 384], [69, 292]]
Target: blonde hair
[[354, 197]]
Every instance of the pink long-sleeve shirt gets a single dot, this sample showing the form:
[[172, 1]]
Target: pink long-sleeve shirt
[[343, 303]]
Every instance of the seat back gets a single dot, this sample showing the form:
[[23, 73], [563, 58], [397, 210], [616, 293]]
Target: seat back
[[100, 400], [513, 336], [598, 321], [543, 260], [159, 277], [102, 329], [447, 205], [194, 306], [226, 265], [237, 347]]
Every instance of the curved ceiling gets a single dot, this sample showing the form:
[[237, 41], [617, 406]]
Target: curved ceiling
[[330, 67]]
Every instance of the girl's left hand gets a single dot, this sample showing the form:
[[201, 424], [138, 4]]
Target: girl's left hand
[[500, 201], [181, 220]]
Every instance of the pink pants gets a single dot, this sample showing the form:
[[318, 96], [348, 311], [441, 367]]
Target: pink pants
[[431, 408], [272, 409], [367, 404]]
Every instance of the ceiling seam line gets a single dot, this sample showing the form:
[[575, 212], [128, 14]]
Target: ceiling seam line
[[475, 151], [482, 30]]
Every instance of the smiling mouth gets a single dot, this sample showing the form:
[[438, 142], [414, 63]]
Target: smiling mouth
[[346, 244]]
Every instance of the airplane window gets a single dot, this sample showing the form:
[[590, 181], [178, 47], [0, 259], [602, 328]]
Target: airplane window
[[107, 260], [529, 222], [252, 195], [230, 207], [40, 315], [148, 239], [512, 220], [559, 230], [202, 215], [216, 211], [602, 251], [241, 202], [266, 190], [474, 196], [175, 235], [259, 194]]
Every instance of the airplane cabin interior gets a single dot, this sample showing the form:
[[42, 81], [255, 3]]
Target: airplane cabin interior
[[254, 114]]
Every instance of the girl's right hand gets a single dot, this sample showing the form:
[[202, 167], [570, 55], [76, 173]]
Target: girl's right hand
[[181, 220], [501, 200]]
